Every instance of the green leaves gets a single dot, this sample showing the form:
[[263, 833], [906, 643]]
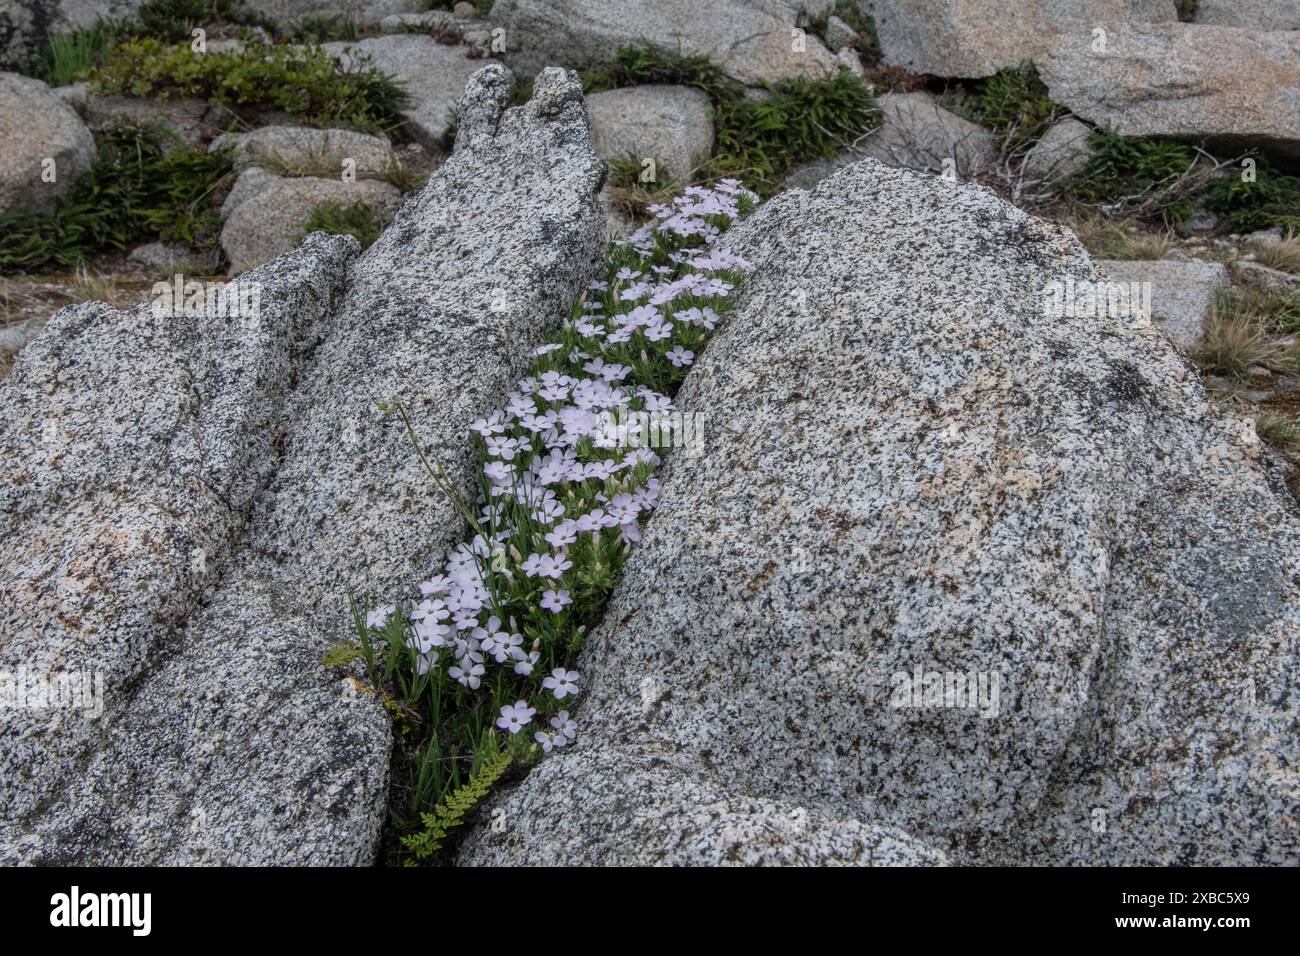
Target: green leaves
[[452, 810], [134, 190], [758, 140], [1013, 101], [1170, 177], [1271, 199], [305, 82]]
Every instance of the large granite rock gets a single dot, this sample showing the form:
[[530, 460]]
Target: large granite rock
[[187, 504], [1183, 292], [264, 213], [979, 37], [1251, 14], [671, 124], [39, 135], [753, 40], [1229, 86], [432, 73], [678, 818], [918, 133], [915, 472], [307, 151]]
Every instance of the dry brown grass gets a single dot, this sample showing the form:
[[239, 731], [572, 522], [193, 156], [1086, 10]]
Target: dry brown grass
[[1111, 239], [1283, 256], [1278, 429], [1237, 339]]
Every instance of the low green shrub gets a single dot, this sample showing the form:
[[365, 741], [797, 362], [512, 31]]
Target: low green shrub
[[1271, 199], [326, 28], [305, 82], [175, 19], [758, 139], [1140, 176], [71, 56], [1013, 102], [135, 190], [1165, 179]]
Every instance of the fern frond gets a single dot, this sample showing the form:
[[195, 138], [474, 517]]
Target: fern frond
[[452, 809]]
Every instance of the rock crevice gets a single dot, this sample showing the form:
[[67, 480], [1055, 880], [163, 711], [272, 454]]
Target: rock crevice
[[193, 498]]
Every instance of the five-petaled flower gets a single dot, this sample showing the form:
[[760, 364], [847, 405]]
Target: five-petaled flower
[[562, 683], [515, 716]]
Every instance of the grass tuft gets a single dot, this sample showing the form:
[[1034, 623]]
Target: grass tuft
[[359, 220], [1110, 239], [1283, 256], [70, 57], [1237, 339]]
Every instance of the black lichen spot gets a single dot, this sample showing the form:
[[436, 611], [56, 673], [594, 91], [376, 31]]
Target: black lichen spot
[[1059, 350], [1125, 383]]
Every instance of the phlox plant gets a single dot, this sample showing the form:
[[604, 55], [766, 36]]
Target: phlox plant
[[489, 648]]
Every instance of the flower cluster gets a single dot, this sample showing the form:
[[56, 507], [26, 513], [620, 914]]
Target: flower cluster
[[562, 492]]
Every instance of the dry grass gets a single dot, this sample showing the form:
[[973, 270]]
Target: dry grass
[[1110, 239], [1237, 339], [1278, 310], [1280, 430], [87, 286], [1283, 256], [632, 197], [34, 299]]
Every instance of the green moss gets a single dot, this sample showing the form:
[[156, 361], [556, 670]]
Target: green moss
[[341, 655], [135, 190], [305, 82]]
